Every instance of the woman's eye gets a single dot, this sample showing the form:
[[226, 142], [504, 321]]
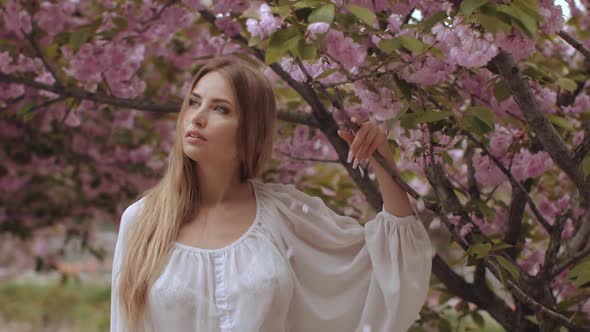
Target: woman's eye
[[222, 108], [192, 102]]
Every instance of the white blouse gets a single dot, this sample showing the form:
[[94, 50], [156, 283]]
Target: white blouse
[[299, 267]]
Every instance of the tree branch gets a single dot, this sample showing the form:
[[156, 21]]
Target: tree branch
[[574, 43], [539, 124], [138, 104]]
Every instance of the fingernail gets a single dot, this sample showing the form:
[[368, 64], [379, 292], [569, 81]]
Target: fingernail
[[355, 164], [349, 157], [362, 172]]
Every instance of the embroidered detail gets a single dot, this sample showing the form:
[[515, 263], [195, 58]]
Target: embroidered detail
[[220, 293]]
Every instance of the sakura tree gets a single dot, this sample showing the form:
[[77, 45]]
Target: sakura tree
[[486, 103]]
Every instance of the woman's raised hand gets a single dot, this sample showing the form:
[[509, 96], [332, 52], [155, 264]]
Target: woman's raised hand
[[364, 142]]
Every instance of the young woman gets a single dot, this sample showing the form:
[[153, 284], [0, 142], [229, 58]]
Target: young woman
[[211, 248]]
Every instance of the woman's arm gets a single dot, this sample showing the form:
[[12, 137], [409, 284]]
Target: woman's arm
[[367, 139]]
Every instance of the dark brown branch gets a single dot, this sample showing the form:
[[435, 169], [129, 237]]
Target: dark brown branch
[[141, 105], [575, 43], [75, 92], [515, 183], [515, 214], [539, 124], [571, 261], [33, 42]]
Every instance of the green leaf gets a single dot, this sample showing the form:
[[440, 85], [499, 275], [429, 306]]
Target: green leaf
[[530, 7], [79, 37], [560, 122], [120, 22], [25, 112], [469, 6], [307, 52], [363, 13], [412, 44], [389, 45], [429, 22], [323, 13], [501, 246], [586, 166], [491, 22], [567, 84], [527, 23], [479, 250], [508, 266], [502, 91], [326, 73], [483, 114], [307, 4], [281, 42], [444, 325], [282, 10], [478, 319], [432, 116], [580, 273]]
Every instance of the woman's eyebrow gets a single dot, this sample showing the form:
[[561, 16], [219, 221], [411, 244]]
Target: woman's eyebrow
[[214, 99]]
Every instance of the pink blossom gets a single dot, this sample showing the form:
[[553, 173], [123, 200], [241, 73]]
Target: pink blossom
[[552, 15], [267, 25], [466, 229], [547, 207], [228, 25], [15, 19], [465, 45], [227, 6], [486, 171], [526, 165], [547, 100], [314, 29], [580, 105], [531, 258], [5, 63], [515, 43], [52, 18], [500, 141], [427, 70], [11, 91], [195, 4], [344, 49], [394, 23]]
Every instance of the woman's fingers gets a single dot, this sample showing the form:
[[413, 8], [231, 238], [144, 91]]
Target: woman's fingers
[[364, 143], [365, 150]]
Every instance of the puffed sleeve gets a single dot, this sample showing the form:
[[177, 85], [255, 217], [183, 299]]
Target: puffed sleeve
[[116, 311], [349, 277]]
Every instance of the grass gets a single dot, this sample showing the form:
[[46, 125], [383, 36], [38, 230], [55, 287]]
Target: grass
[[73, 306], [77, 306]]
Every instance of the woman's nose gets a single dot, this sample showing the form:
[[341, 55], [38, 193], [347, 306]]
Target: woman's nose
[[200, 118]]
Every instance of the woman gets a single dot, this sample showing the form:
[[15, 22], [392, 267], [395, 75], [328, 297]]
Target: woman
[[211, 248]]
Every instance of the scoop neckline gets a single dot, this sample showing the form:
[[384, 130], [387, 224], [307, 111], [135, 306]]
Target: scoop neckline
[[240, 239]]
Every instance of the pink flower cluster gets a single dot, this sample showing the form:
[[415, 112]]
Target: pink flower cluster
[[267, 24], [552, 16], [117, 62], [314, 69], [314, 29], [465, 45], [350, 54], [16, 19], [228, 25]]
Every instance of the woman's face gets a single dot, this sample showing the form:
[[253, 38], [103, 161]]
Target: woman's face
[[213, 114]]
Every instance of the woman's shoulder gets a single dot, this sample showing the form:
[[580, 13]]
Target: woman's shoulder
[[130, 213], [288, 194]]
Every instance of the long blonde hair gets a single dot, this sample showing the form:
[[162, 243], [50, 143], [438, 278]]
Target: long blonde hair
[[170, 202]]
